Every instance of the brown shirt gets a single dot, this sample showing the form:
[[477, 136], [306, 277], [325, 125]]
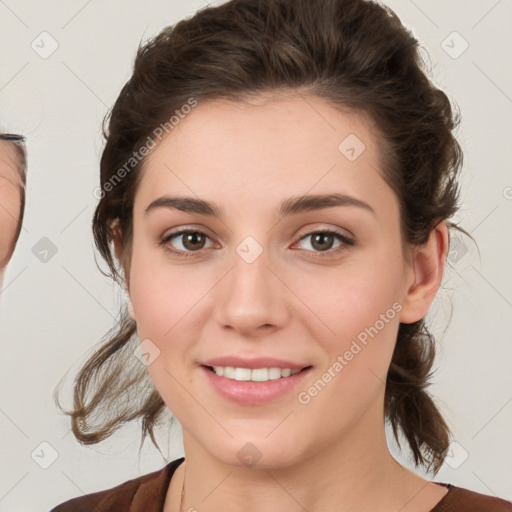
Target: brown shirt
[[147, 494]]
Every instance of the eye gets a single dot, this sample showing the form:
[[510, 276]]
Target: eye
[[193, 241], [322, 242]]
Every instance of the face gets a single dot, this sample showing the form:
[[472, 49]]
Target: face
[[306, 287], [10, 202]]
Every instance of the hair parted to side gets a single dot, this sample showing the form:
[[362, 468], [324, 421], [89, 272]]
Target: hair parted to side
[[357, 55]]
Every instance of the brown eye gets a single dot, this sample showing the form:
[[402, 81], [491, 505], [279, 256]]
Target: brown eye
[[323, 242], [187, 241], [193, 240]]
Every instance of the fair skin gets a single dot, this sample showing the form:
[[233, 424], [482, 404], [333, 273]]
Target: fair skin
[[247, 158], [10, 202]]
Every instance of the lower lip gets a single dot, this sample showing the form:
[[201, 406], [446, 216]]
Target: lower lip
[[254, 393]]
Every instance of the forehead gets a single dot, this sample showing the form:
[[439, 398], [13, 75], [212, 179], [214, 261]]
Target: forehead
[[263, 149]]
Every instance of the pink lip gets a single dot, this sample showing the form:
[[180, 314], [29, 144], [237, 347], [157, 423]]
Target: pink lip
[[259, 362], [253, 393]]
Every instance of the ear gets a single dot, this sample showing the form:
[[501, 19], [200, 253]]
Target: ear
[[425, 275], [117, 239]]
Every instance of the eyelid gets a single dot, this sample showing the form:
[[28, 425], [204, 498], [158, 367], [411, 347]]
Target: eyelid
[[323, 228], [188, 228]]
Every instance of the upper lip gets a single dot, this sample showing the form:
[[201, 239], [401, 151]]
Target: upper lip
[[258, 362]]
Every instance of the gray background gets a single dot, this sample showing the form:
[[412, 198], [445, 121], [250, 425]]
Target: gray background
[[54, 307]]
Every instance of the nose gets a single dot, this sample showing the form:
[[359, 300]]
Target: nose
[[252, 299]]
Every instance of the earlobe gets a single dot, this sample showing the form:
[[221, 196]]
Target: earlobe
[[130, 309], [427, 274]]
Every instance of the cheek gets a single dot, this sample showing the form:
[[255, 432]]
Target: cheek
[[352, 297], [361, 312], [158, 302], [162, 311], [356, 318], [168, 300]]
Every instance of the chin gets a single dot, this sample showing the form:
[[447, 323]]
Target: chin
[[258, 452]]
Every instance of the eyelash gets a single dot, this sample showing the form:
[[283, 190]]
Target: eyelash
[[347, 242]]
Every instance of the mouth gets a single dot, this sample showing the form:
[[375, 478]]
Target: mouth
[[240, 387], [254, 374]]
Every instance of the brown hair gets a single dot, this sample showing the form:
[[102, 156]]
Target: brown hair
[[17, 143], [357, 55]]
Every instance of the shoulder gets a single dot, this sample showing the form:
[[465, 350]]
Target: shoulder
[[133, 495], [459, 499]]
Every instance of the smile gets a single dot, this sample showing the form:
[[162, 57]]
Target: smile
[[254, 374], [235, 385]]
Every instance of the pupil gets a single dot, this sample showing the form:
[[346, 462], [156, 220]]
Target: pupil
[[322, 237], [190, 239]]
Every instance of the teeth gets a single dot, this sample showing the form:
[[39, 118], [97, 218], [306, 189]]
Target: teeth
[[256, 374]]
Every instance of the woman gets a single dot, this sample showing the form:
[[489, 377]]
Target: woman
[[13, 163], [277, 182]]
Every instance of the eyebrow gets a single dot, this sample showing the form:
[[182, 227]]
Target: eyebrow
[[12, 137], [291, 206]]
